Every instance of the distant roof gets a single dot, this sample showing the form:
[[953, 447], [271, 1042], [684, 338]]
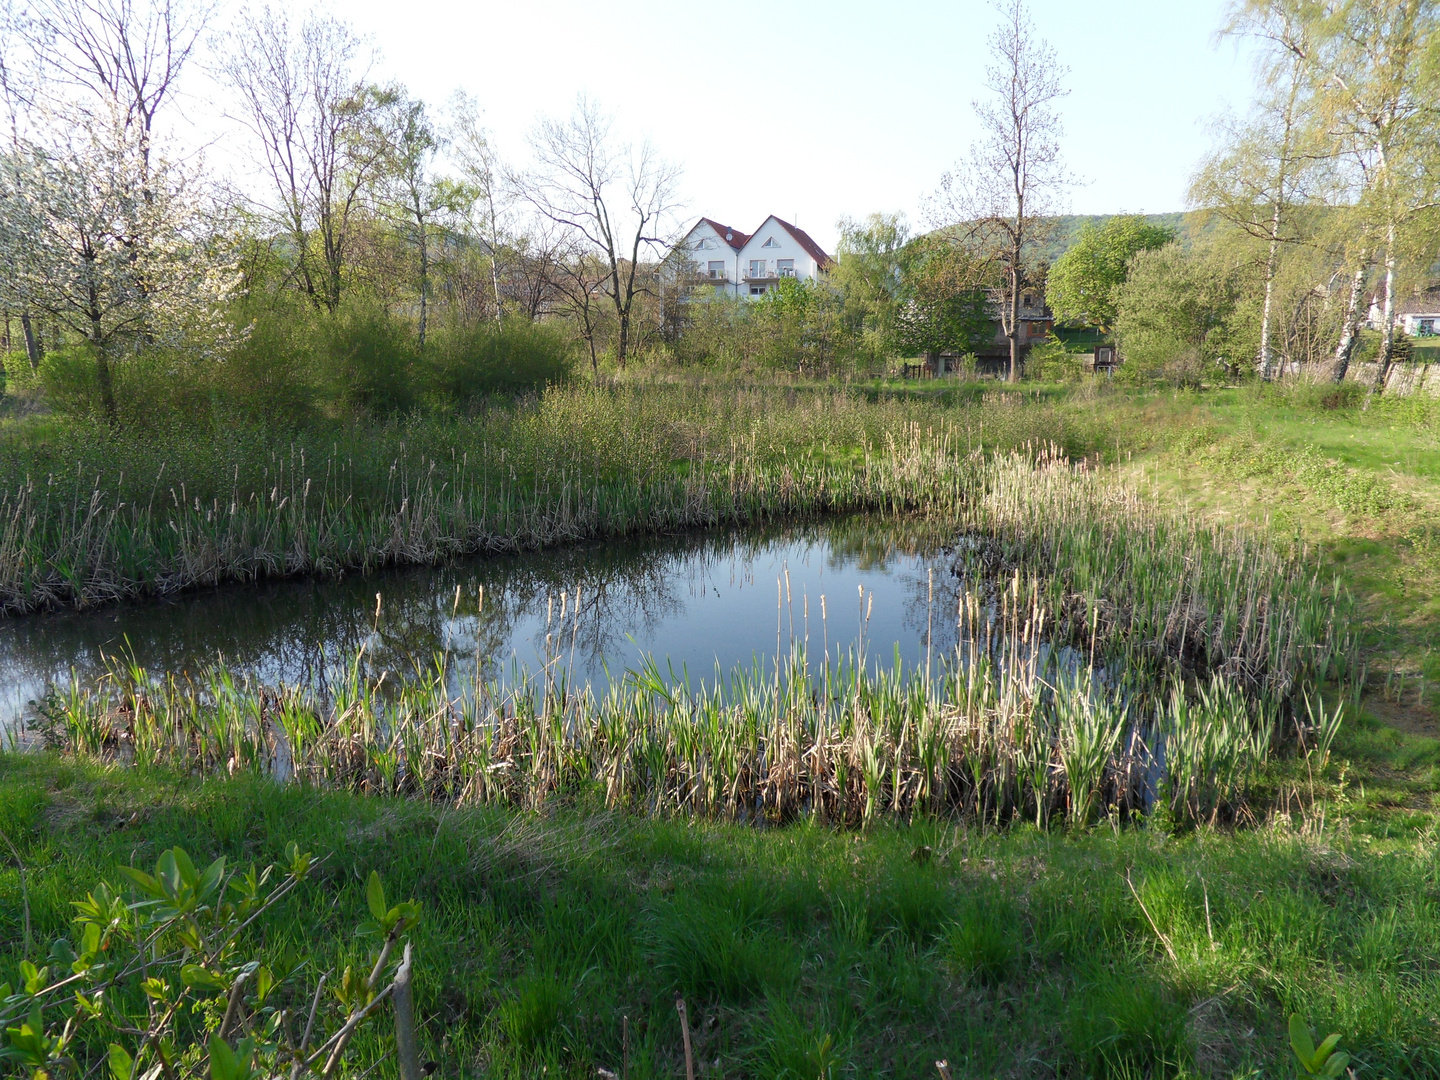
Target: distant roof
[[1420, 302], [734, 237], [802, 238], [737, 239]]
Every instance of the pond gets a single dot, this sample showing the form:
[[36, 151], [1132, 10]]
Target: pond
[[690, 602]]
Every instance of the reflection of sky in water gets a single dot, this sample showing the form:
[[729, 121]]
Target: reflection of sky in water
[[690, 601]]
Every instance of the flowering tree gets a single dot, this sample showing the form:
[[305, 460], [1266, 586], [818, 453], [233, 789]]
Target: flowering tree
[[109, 238]]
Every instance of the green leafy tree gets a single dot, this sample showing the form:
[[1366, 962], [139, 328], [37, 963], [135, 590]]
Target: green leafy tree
[[1186, 309], [942, 308], [1084, 284], [869, 275]]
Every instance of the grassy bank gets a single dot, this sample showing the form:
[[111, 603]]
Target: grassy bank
[[803, 952]]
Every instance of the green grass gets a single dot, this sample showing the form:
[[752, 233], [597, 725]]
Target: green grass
[[802, 951]]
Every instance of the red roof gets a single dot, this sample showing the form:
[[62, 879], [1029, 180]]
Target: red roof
[[803, 239], [734, 237]]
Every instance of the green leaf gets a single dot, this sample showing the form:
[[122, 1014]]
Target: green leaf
[[375, 896], [1324, 1050], [167, 871], [224, 1065], [186, 868], [1335, 1066], [122, 1065], [143, 881], [198, 977], [1301, 1042], [264, 980], [210, 880]]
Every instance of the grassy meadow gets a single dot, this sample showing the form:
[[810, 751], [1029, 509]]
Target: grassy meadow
[[856, 881]]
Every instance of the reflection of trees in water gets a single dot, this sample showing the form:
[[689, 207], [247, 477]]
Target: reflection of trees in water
[[309, 631]]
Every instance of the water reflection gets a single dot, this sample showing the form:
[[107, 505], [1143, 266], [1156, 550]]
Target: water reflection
[[691, 601]]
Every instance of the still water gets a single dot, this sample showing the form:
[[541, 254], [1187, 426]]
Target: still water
[[690, 602]]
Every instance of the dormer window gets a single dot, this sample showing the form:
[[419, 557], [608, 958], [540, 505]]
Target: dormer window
[[1029, 300], [770, 243]]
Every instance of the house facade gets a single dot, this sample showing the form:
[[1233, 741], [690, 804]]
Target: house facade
[[1417, 315], [735, 263]]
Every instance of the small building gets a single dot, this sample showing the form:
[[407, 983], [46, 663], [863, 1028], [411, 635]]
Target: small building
[[1036, 322], [1417, 315], [750, 264]]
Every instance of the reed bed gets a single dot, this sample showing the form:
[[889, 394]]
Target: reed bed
[[90, 515], [1005, 727]]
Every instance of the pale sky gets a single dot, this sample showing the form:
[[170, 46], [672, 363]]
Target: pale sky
[[813, 110]]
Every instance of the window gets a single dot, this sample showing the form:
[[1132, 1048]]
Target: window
[[1028, 300], [785, 267], [717, 268], [1427, 328], [705, 244], [770, 243], [757, 290], [757, 268]]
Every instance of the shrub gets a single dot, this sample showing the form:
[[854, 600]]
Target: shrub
[[467, 362], [162, 975], [368, 360]]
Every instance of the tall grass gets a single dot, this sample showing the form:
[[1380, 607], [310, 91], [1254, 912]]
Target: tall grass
[[89, 515]]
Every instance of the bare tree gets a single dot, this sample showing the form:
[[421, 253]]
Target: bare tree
[[483, 174], [996, 202], [313, 114], [127, 54], [619, 202]]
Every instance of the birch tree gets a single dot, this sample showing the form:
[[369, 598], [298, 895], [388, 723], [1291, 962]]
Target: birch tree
[[481, 171], [306, 101], [996, 202], [1378, 91], [1260, 172]]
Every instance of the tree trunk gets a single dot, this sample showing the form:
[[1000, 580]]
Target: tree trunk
[[1263, 364], [1387, 318], [107, 386], [424, 283], [1013, 330], [495, 260], [1349, 328], [34, 349]]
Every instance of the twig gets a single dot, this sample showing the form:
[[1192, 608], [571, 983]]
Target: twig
[[341, 1037], [235, 991], [309, 1026], [685, 1031], [404, 1002]]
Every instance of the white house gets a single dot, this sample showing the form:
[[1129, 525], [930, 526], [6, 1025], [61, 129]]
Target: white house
[[748, 264], [1417, 315]]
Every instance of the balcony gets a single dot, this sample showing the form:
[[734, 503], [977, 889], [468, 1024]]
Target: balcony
[[768, 272]]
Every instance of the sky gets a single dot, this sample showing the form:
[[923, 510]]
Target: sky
[[817, 110]]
